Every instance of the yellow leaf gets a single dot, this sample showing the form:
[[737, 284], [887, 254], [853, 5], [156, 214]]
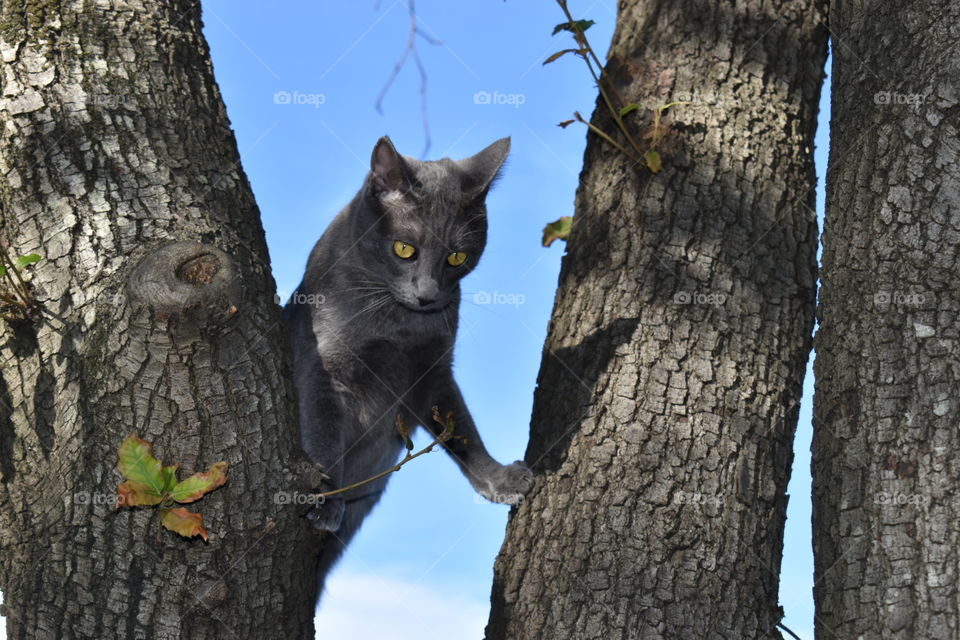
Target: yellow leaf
[[557, 230]]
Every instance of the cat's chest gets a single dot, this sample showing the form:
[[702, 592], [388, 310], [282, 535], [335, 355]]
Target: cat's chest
[[399, 358]]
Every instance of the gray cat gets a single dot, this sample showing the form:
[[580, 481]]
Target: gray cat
[[372, 328]]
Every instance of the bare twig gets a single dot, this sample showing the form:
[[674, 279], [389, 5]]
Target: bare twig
[[442, 437], [784, 627], [411, 51]]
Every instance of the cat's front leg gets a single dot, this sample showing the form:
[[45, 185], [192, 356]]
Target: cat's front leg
[[321, 434], [506, 484]]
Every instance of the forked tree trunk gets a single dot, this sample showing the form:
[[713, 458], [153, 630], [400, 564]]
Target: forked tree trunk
[[668, 393], [115, 142], [886, 443]]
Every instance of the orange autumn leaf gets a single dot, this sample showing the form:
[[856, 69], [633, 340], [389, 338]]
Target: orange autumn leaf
[[134, 494], [184, 522]]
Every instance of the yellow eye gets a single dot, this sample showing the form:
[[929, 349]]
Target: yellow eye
[[404, 250], [456, 259]]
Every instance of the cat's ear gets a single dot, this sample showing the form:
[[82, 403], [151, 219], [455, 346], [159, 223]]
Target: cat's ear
[[388, 172], [480, 171]]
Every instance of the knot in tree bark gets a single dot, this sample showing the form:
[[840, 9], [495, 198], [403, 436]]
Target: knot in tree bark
[[194, 284]]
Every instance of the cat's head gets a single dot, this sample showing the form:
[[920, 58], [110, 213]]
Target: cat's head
[[426, 221]]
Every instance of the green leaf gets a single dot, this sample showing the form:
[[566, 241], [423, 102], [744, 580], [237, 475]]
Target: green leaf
[[134, 494], [138, 465], [557, 230], [569, 26], [169, 477], [186, 523], [451, 424], [633, 106], [199, 484], [585, 24], [3, 270], [30, 258], [653, 161]]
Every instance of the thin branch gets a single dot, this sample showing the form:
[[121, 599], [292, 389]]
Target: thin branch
[[784, 627], [445, 435], [411, 50], [600, 132], [407, 458], [582, 40]]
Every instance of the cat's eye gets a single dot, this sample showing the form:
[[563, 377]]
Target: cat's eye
[[404, 250], [456, 259]]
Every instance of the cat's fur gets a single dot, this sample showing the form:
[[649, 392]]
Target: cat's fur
[[373, 334]]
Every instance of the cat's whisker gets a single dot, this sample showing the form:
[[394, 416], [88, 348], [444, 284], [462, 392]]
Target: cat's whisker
[[446, 323], [373, 305], [361, 289]]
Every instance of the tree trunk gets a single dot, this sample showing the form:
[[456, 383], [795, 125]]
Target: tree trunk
[[886, 480], [116, 142], [668, 392]]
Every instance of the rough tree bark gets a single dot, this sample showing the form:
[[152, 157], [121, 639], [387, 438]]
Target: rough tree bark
[[115, 142], [668, 392], [885, 470]]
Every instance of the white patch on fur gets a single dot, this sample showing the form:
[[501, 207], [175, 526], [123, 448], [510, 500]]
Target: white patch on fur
[[395, 201]]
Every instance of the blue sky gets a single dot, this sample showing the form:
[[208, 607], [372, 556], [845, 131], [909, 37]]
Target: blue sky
[[300, 80]]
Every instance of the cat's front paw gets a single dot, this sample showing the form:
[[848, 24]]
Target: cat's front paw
[[508, 484], [327, 515]]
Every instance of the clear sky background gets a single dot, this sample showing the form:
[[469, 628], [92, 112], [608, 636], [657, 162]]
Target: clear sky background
[[422, 565]]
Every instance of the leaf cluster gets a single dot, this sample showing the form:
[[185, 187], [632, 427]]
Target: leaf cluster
[[148, 483], [645, 155]]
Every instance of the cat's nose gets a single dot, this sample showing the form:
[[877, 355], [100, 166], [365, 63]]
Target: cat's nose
[[425, 302]]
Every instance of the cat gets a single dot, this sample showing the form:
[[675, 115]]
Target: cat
[[372, 328]]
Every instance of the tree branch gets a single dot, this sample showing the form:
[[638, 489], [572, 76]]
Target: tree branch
[[411, 50]]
